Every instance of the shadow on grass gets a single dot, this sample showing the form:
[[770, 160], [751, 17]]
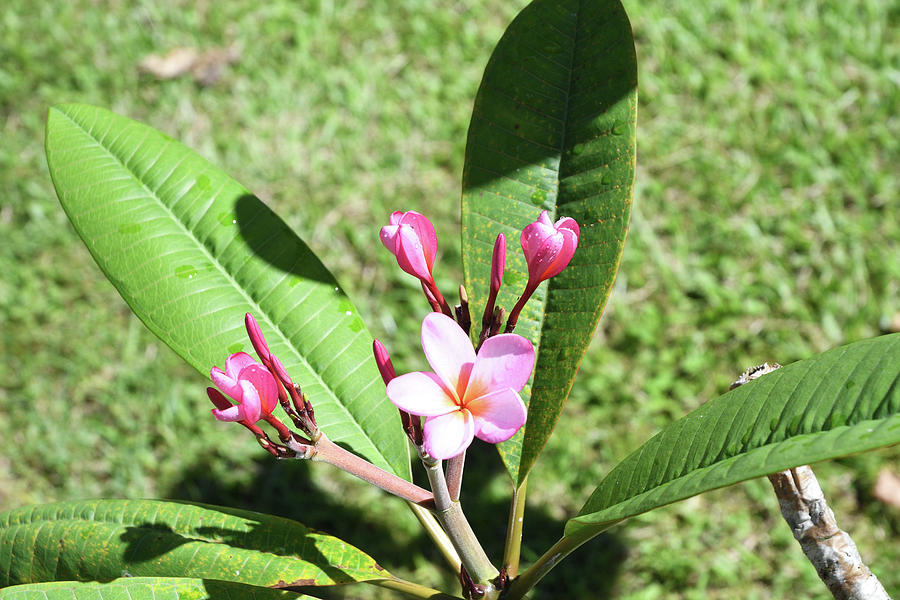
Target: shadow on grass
[[284, 488]]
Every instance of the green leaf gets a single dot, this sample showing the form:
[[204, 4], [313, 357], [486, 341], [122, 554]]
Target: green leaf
[[155, 588], [553, 129], [191, 251], [843, 401], [107, 539]]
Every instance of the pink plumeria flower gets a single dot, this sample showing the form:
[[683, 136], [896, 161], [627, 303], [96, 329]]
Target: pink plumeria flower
[[249, 384], [467, 395], [411, 237], [548, 246]]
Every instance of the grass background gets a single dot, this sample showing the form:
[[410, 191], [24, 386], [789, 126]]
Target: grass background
[[765, 227]]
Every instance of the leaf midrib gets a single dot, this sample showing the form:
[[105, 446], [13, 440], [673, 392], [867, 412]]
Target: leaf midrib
[[250, 300], [702, 470]]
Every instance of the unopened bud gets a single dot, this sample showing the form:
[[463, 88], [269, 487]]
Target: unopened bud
[[383, 361], [256, 338], [498, 263]]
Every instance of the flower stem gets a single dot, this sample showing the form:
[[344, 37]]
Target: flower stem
[[514, 315], [513, 545], [455, 467], [450, 514], [329, 452], [438, 535], [413, 589]]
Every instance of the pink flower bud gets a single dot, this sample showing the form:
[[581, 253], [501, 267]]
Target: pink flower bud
[[256, 338], [246, 382], [383, 360], [548, 246], [411, 238], [498, 262], [281, 372]]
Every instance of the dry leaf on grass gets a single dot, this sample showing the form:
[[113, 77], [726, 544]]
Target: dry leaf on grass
[[887, 488], [205, 67]]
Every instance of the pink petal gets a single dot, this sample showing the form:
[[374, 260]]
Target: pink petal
[[395, 217], [544, 219], [448, 350], [570, 224], [504, 361], [448, 435], [388, 237], [238, 362], [533, 236], [411, 254], [264, 384], [424, 232], [498, 416], [420, 394], [542, 261], [231, 414], [226, 384], [250, 403], [570, 242]]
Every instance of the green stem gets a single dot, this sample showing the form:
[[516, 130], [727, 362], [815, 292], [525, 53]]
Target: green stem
[[512, 549], [545, 563], [450, 514], [438, 535], [412, 589], [329, 452]]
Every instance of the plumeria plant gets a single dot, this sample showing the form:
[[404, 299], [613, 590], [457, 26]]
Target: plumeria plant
[[550, 163]]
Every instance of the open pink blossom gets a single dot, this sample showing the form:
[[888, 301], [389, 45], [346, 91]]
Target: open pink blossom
[[548, 246], [467, 395], [411, 237], [249, 384]]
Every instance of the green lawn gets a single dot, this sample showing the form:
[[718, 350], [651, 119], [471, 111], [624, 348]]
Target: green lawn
[[765, 227]]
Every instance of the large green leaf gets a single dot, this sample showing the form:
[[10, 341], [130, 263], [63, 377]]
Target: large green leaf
[[106, 539], [191, 251], [843, 401], [553, 129], [149, 588]]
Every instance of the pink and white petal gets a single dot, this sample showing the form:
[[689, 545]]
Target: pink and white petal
[[449, 351], [264, 384], [388, 237], [396, 217], [544, 218], [504, 361], [448, 435], [422, 394], [225, 383], [411, 254], [250, 402], [425, 232], [570, 224], [237, 362], [231, 414], [533, 236], [498, 416]]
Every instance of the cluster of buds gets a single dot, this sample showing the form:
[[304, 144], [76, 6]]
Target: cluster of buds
[[472, 392], [257, 388]]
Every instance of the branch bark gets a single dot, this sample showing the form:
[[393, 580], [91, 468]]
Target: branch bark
[[827, 546], [830, 549]]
